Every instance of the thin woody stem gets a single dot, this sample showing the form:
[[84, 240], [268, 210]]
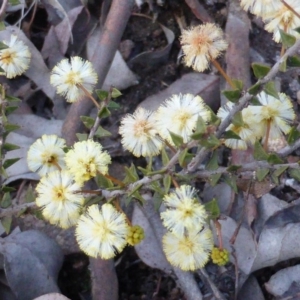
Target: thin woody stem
[[290, 8], [88, 94], [119, 208], [267, 136], [219, 235], [113, 179], [223, 73]]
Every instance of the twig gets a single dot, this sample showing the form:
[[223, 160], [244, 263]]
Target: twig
[[289, 149], [3, 7], [198, 159], [205, 277]]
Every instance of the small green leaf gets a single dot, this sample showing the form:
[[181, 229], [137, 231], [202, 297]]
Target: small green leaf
[[6, 200], [138, 196], [87, 121], [260, 70], [3, 46], [294, 173], [182, 157], [104, 113], [12, 98], [131, 174], [238, 84], [9, 147], [29, 196], [287, 40], [200, 128], [279, 171], [104, 182], [275, 178], [238, 119], [261, 173], [231, 181], [254, 89], [8, 189], [14, 2], [259, 152], [293, 61], [213, 179], [164, 157], [2, 27], [155, 186], [143, 170], [233, 168], [6, 223], [232, 95], [211, 142], [293, 136], [115, 93], [254, 101], [82, 136], [10, 109], [101, 132], [102, 95], [229, 134], [167, 180], [11, 127], [157, 200], [213, 162], [113, 105], [282, 67], [8, 162], [213, 209], [270, 89], [177, 139], [274, 159]]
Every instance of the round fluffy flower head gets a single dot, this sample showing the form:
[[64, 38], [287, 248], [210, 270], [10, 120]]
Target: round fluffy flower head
[[245, 132], [261, 8], [189, 252], [15, 59], [285, 19], [139, 133], [275, 113], [201, 44], [86, 159], [67, 77], [46, 154], [57, 196], [179, 114], [184, 212], [102, 233]]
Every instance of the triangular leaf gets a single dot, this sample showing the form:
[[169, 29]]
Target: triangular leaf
[[82, 136], [254, 89], [213, 209], [293, 61], [274, 159], [270, 89], [293, 136], [295, 173], [104, 113], [164, 157], [261, 173], [213, 162], [101, 132], [214, 179], [131, 174], [287, 40], [232, 95], [177, 139], [231, 181], [259, 152], [237, 119], [113, 105], [239, 84], [279, 171], [233, 168], [115, 93], [102, 95], [167, 180], [229, 134], [9, 162], [87, 121], [210, 142], [9, 147], [260, 70]]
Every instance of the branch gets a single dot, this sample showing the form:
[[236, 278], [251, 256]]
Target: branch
[[15, 209], [199, 158]]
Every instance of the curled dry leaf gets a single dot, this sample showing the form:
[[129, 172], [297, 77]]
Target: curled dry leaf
[[285, 282]]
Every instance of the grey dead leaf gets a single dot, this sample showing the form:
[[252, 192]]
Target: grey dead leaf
[[32, 128], [150, 250], [158, 56], [207, 86], [12, 8], [31, 262], [38, 72], [250, 290], [60, 11], [57, 40], [119, 75], [52, 296], [284, 280]]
